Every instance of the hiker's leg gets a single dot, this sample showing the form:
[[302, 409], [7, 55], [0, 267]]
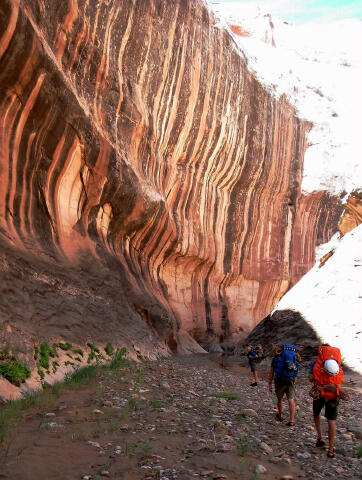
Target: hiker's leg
[[331, 415], [331, 434], [256, 375], [317, 407], [291, 409], [317, 423], [280, 406]]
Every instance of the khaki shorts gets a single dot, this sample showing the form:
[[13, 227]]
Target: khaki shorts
[[288, 390]]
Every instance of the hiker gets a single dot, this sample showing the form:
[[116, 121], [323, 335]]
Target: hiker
[[326, 374], [253, 363], [284, 371]]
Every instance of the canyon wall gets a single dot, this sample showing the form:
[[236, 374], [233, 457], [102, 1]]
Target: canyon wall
[[150, 185]]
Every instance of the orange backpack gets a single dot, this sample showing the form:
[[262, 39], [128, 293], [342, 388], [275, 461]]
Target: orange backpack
[[321, 377]]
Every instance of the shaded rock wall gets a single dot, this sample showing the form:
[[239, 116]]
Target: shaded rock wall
[[133, 138]]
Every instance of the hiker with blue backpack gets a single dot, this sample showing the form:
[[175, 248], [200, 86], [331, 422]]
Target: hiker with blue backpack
[[284, 371], [253, 358]]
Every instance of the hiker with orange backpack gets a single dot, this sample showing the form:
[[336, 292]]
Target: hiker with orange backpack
[[327, 376]]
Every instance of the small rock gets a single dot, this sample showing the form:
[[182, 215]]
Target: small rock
[[275, 459], [50, 414], [165, 385], [356, 431], [107, 403], [286, 477], [249, 412], [304, 455], [206, 472], [266, 448], [105, 473], [86, 477], [287, 461], [124, 428], [260, 469], [93, 444], [97, 411]]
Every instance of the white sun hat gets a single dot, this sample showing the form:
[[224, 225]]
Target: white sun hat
[[331, 367]]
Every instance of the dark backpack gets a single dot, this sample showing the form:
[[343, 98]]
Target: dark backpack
[[286, 364]]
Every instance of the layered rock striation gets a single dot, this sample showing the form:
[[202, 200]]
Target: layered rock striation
[[137, 150]]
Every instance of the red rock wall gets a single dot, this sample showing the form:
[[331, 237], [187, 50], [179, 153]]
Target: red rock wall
[[132, 133]]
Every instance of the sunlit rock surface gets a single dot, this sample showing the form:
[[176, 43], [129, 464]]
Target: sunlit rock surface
[[149, 184]]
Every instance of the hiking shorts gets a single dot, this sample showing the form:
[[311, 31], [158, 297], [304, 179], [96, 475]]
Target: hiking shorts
[[331, 409], [282, 389], [253, 366]]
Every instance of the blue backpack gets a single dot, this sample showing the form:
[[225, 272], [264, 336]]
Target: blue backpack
[[286, 364]]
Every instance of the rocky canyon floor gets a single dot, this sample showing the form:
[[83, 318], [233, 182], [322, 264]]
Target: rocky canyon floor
[[177, 419]]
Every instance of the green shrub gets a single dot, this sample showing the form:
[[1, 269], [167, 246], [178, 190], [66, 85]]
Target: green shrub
[[55, 366], [109, 349], [79, 351], [118, 359], [64, 346], [359, 452], [93, 347], [15, 372]]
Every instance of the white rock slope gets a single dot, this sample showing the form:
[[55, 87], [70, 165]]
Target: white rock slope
[[330, 297]]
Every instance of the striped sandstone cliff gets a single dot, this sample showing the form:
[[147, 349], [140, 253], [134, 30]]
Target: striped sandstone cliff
[[150, 185]]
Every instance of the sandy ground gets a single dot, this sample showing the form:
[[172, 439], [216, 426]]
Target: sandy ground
[[162, 420]]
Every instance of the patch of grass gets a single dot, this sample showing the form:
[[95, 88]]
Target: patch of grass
[[227, 395], [359, 452], [93, 347], [64, 346], [243, 445], [109, 349], [240, 416], [118, 359], [156, 404], [131, 450], [132, 404], [55, 366], [145, 448], [15, 372], [44, 353], [80, 376], [78, 351]]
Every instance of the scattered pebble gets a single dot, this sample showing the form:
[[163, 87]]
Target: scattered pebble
[[260, 469]]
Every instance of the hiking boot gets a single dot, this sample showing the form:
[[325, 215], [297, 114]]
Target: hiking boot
[[320, 443], [254, 384]]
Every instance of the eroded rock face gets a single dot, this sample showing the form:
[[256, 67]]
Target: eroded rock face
[[133, 140]]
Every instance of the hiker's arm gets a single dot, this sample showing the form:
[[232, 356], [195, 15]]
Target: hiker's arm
[[271, 375]]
